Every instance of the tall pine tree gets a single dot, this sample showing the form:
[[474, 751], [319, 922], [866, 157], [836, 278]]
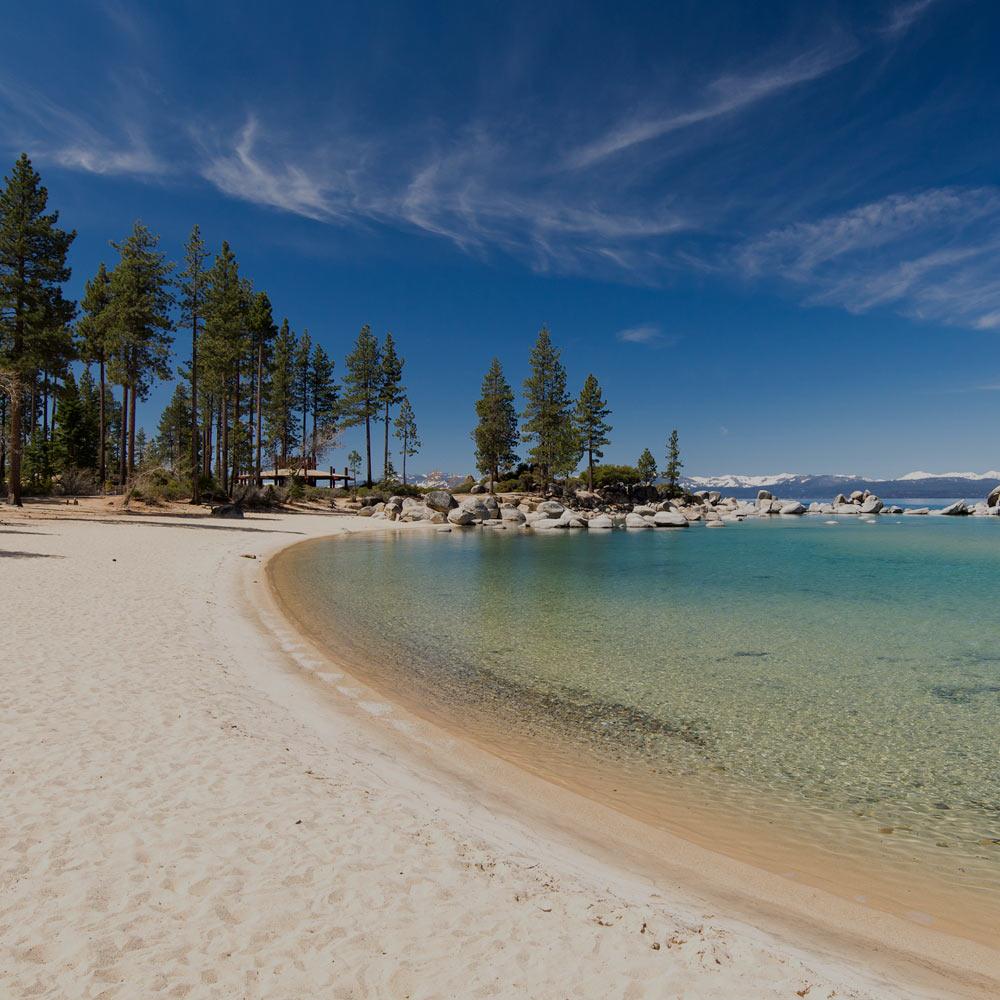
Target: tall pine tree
[[591, 424], [194, 289], [324, 396], [392, 392], [141, 300], [672, 470], [262, 334], [282, 397], [363, 388], [548, 421], [33, 269], [406, 431], [94, 334], [495, 434], [303, 385]]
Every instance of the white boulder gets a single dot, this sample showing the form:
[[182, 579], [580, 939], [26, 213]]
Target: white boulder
[[670, 519]]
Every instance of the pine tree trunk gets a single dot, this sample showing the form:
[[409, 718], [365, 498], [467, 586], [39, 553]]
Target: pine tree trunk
[[368, 447], [385, 461], [131, 434], [237, 428], [590, 469], [224, 463], [195, 472], [16, 444], [405, 450], [257, 440], [101, 417], [315, 441], [305, 410], [123, 441], [3, 439]]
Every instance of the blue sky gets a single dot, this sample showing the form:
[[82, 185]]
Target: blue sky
[[773, 226]]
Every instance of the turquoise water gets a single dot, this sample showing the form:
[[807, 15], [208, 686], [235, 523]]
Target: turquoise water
[[845, 678]]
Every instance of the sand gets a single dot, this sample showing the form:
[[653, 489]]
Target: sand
[[196, 803]]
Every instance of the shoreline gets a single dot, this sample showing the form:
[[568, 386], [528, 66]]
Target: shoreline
[[379, 789], [744, 877]]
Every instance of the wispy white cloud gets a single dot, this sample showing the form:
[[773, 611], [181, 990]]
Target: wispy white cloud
[[723, 95], [930, 255], [650, 334], [475, 191], [645, 333], [50, 130], [904, 15], [245, 172]]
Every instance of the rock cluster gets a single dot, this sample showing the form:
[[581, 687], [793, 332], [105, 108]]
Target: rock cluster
[[596, 511]]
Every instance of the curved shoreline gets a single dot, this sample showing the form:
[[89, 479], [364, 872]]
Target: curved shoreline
[[760, 898]]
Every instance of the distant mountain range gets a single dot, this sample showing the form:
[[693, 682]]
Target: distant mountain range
[[969, 485]]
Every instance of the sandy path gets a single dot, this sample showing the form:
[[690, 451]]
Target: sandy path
[[172, 824]]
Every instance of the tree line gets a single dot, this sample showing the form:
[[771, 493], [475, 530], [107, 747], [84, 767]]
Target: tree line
[[560, 431], [251, 392]]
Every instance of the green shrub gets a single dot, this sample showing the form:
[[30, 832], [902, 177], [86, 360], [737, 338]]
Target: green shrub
[[157, 485], [615, 476]]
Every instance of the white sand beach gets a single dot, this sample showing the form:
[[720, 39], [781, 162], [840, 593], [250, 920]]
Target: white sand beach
[[196, 804]]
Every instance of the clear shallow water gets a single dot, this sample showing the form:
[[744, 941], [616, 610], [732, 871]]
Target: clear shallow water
[[841, 681]]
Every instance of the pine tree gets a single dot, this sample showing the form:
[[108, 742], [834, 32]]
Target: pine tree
[[223, 345], [141, 300], [496, 433], [363, 386], [141, 448], [324, 396], [282, 396], [354, 464], [646, 467], [94, 334], [32, 270], [172, 444], [194, 290], [548, 422], [391, 390], [406, 431], [303, 385], [262, 334], [75, 439], [591, 423], [672, 470]]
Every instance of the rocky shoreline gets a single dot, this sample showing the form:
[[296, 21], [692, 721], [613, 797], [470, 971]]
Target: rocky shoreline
[[593, 511]]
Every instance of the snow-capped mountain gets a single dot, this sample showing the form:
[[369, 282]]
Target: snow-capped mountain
[[798, 486], [438, 480], [992, 474], [732, 481]]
